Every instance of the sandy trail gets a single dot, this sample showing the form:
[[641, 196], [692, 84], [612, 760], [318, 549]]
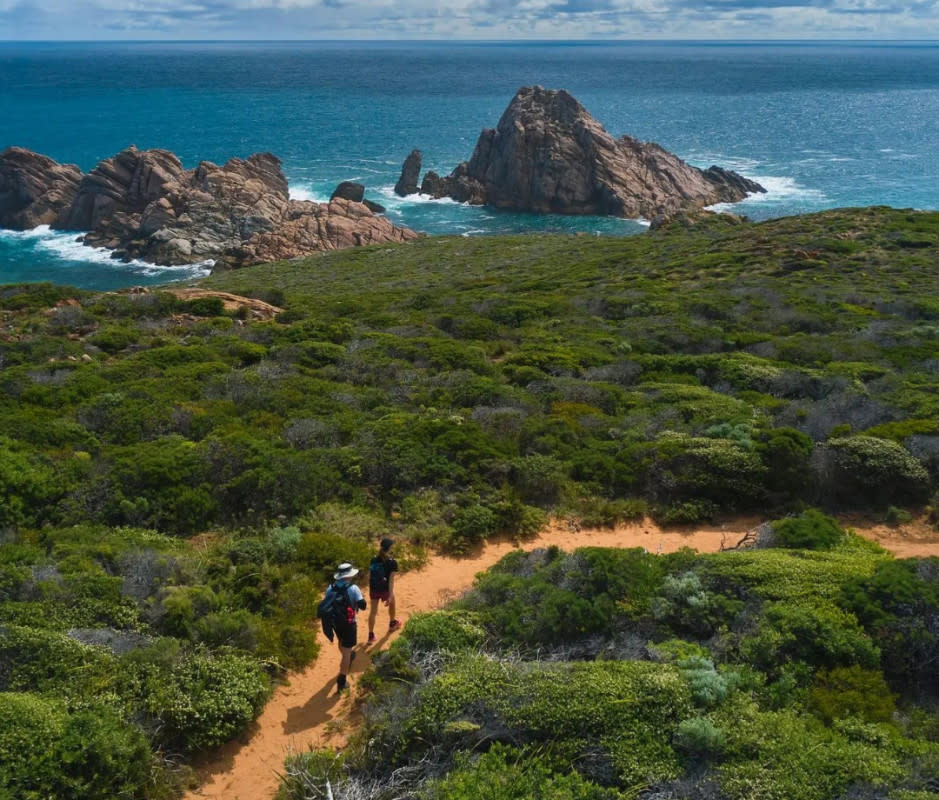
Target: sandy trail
[[306, 712]]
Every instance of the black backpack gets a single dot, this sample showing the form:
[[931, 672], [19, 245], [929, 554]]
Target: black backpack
[[335, 608], [377, 578]]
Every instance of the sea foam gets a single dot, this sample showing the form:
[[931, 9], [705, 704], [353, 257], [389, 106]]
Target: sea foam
[[67, 246]]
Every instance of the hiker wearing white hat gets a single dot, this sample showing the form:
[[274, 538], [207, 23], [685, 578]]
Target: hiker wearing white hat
[[337, 611]]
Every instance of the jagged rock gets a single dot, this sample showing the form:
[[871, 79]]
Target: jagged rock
[[410, 172], [124, 183], [315, 227], [34, 189], [548, 155], [143, 204], [349, 190]]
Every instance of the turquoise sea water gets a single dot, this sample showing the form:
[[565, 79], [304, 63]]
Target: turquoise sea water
[[821, 125]]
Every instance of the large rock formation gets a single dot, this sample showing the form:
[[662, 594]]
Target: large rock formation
[[410, 174], [144, 204], [548, 155], [354, 191], [34, 189]]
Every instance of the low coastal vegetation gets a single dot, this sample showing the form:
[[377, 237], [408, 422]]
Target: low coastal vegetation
[[611, 674], [177, 481]]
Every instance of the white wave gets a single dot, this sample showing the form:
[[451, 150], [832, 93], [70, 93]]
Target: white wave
[[306, 193], [778, 188], [67, 246], [736, 163], [473, 232], [39, 232], [393, 200]]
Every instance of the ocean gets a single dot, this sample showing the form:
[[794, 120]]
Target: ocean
[[820, 124]]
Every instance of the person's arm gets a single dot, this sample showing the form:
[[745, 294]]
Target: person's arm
[[391, 586], [360, 599]]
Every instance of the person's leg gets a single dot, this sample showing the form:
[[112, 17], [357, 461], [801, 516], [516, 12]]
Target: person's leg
[[346, 645], [372, 616], [344, 664], [391, 610]]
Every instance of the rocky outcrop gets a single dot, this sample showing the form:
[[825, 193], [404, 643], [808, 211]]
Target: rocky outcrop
[[548, 155], [123, 184], [34, 189], [351, 190], [410, 173], [144, 204]]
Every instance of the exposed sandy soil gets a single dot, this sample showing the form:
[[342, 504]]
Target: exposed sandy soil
[[231, 302], [307, 713]]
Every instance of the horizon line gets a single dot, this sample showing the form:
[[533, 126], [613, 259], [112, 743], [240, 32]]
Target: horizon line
[[594, 41]]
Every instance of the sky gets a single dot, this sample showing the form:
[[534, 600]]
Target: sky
[[27, 20]]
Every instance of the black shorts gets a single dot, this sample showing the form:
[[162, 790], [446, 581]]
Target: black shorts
[[347, 635]]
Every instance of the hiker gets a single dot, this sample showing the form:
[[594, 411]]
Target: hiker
[[337, 612], [381, 576]]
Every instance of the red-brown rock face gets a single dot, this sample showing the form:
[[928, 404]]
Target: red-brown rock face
[[548, 155], [34, 189], [143, 204]]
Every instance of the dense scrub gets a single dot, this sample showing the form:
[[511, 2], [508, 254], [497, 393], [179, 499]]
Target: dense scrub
[[124, 651], [468, 384], [177, 480], [756, 675]]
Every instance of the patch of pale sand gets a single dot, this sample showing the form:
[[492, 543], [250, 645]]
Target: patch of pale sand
[[918, 538], [306, 712]]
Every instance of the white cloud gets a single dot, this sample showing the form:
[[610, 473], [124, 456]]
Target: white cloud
[[469, 19]]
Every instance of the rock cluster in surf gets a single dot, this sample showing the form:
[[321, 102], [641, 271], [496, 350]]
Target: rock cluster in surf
[[144, 204], [549, 155]]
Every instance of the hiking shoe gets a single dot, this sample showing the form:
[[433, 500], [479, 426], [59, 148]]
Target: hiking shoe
[[341, 684], [394, 625], [371, 637]]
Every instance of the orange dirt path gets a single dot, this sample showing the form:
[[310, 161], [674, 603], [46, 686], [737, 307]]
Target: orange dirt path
[[306, 712]]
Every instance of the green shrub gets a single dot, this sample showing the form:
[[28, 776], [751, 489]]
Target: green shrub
[[820, 636], [450, 631], [601, 512], [782, 754], [811, 530], [113, 339], [897, 516], [685, 605], [549, 597], [698, 737], [46, 752], [205, 306], [720, 471], [627, 710], [472, 525], [851, 692], [709, 688], [685, 512], [897, 605], [865, 470], [30, 728], [48, 661], [517, 519], [319, 553], [290, 645], [26, 485], [196, 699], [505, 773]]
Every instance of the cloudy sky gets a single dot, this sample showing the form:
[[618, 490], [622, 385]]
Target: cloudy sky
[[468, 19]]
